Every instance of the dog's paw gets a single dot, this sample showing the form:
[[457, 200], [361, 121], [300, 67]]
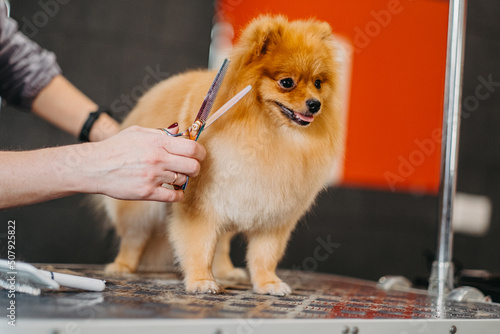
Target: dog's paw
[[234, 274], [203, 286], [273, 288], [117, 268]]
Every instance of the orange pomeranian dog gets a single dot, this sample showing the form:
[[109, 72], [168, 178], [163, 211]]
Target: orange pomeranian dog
[[267, 158]]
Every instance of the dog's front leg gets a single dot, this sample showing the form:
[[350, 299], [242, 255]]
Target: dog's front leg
[[222, 267], [265, 249], [194, 244], [132, 244]]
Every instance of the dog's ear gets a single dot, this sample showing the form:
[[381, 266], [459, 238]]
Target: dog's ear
[[261, 34], [325, 31]]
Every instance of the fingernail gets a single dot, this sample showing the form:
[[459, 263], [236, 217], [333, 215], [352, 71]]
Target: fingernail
[[173, 126]]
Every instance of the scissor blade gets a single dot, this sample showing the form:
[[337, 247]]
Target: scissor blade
[[228, 105], [212, 92]]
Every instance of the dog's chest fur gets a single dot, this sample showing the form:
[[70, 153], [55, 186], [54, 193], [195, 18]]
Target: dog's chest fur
[[258, 181]]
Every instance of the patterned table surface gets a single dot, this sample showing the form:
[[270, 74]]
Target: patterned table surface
[[161, 295]]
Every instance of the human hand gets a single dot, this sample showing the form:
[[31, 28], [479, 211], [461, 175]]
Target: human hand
[[133, 164]]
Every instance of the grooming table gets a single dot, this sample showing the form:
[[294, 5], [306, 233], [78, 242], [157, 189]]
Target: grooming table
[[320, 303]]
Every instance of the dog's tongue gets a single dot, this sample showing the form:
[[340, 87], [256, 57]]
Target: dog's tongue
[[304, 118]]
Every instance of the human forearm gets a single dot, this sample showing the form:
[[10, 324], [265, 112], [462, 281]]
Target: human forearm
[[31, 79], [63, 105], [132, 165], [35, 176], [25, 67]]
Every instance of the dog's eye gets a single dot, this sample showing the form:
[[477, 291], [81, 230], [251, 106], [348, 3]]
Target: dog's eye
[[287, 83], [317, 84]]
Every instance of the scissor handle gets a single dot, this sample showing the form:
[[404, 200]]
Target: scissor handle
[[195, 129], [170, 134], [193, 132]]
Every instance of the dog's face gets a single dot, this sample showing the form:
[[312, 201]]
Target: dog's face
[[294, 84], [295, 66]]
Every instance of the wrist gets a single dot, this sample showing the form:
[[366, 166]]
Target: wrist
[[72, 168], [97, 125], [104, 127]]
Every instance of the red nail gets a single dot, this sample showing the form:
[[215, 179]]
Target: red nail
[[173, 126]]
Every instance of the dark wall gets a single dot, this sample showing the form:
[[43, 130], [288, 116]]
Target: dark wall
[[479, 160], [107, 48]]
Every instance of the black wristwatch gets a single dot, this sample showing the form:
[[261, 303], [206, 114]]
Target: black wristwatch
[[87, 126]]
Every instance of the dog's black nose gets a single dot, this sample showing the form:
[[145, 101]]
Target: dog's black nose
[[313, 105]]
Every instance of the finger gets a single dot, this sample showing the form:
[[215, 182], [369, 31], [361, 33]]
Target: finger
[[183, 147], [163, 194], [182, 165], [177, 178], [174, 145], [186, 148]]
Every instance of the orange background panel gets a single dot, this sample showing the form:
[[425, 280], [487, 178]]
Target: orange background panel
[[396, 100]]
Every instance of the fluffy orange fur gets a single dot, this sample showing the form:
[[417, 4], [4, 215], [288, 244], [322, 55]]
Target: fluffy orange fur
[[263, 170]]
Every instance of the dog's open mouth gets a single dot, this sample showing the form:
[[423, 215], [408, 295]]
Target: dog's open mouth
[[296, 117]]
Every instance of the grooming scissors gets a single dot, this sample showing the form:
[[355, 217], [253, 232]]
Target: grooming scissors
[[201, 122], [195, 129]]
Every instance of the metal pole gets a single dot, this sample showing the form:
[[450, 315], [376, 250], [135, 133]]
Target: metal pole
[[441, 280]]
